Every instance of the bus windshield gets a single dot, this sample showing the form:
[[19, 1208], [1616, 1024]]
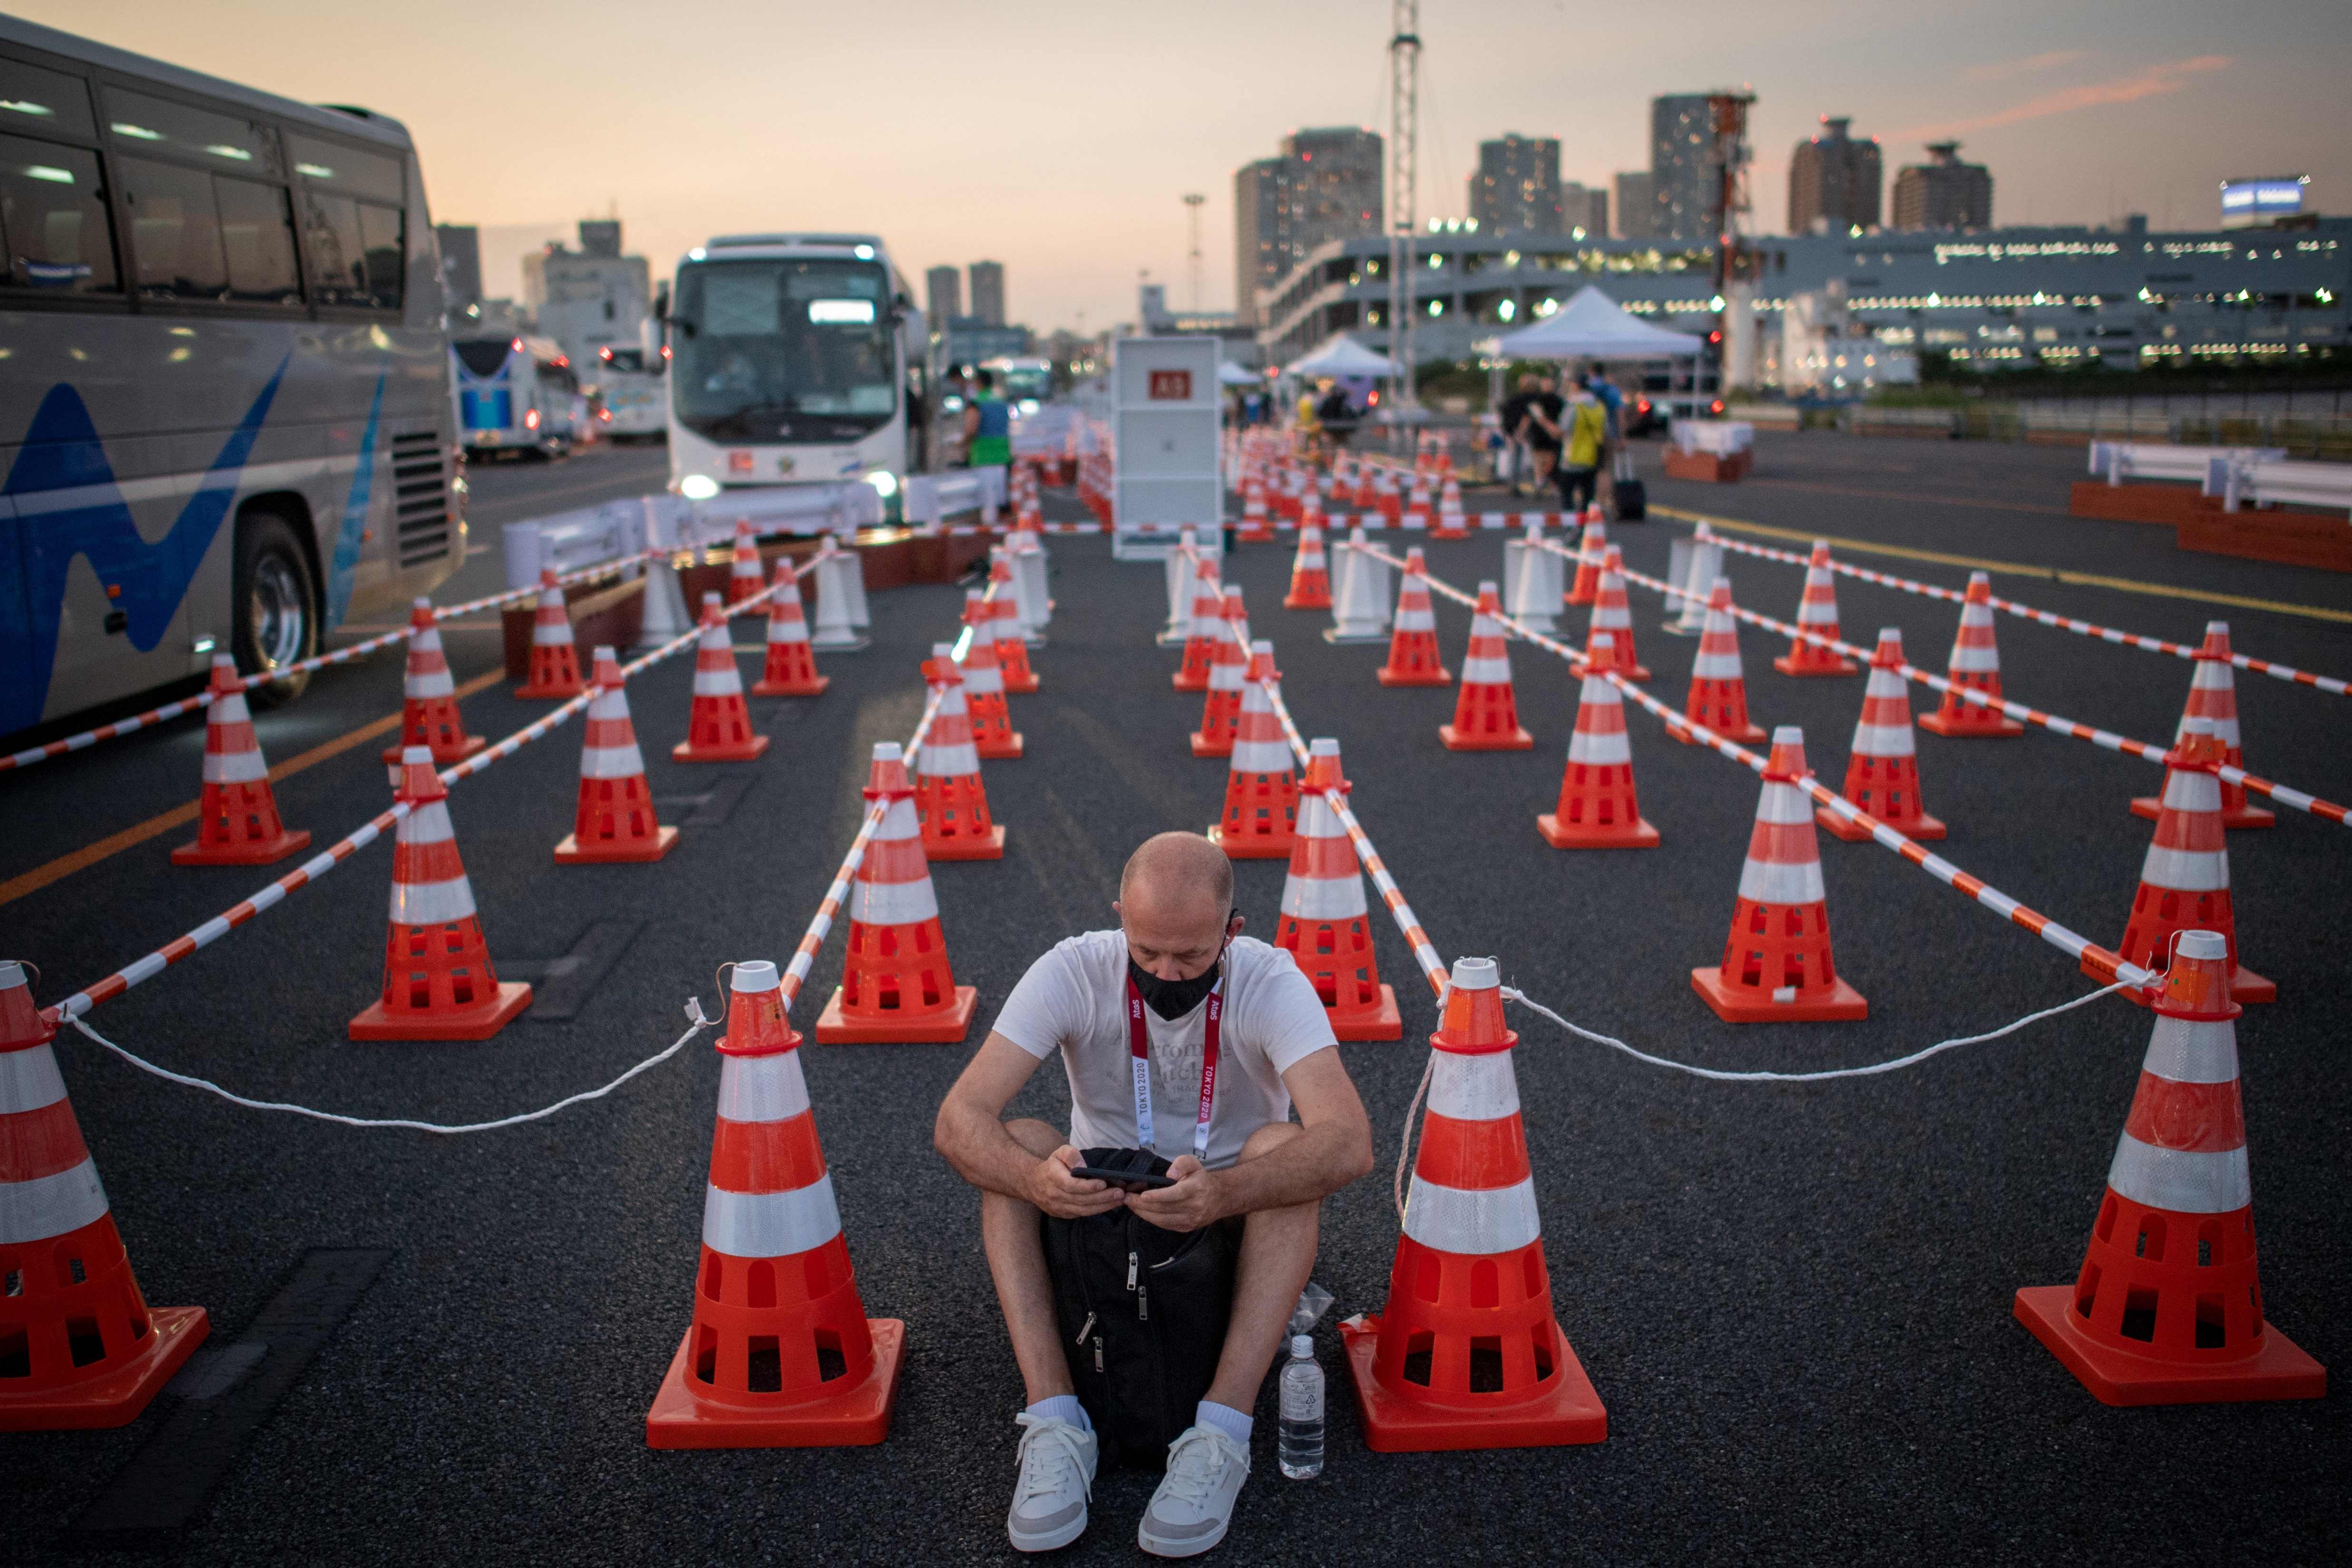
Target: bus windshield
[[1023, 380], [787, 350]]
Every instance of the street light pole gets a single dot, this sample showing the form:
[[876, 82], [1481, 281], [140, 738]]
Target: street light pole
[[1404, 119]]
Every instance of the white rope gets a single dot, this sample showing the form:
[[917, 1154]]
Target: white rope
[[693, 1012]]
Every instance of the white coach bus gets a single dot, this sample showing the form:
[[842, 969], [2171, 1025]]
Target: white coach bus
[[224, 412], [794, 359]]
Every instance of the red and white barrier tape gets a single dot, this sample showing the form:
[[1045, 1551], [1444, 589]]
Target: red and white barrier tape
[[2287, 673], [2327, 810], [342, 849], [2106, 965]]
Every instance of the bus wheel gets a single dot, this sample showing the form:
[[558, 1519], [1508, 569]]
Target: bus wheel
[[275, 620]]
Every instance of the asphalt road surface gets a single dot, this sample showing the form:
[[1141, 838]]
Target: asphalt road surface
[[1794, 1299]]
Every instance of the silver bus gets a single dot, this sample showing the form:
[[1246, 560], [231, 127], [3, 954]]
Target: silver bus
[[225, 401]]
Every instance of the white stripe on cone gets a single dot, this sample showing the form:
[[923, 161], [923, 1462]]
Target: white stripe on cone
[[762, 1088], [246, 767], [2181, 1180], [1473, 1222], [49, 1205], [1762, 881], [2192, 1050], [30, 1081], [431, 902], [1474, 1088], [2186, 870], [770, 1224]]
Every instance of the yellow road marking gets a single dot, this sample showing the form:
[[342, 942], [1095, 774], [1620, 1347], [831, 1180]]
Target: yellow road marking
[[113, 844], [2018, 568]]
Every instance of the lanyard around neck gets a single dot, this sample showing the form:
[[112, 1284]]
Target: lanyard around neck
[[1138, 1050]]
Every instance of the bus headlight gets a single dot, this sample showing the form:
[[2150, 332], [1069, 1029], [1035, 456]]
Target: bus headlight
[[885, 483], [697, 487]]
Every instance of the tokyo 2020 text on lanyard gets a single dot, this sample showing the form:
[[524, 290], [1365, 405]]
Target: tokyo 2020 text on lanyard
[[1138, 1050]]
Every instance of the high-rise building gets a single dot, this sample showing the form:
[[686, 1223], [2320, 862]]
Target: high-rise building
[[988, 291], [1324, 185], [1943, 193], [942, 296], [588, 299], [1833, 182], [461, 266], [1261, 233], [1584, 208], [1636, 209], [1516, 188], [600, 237], [1686, 173]]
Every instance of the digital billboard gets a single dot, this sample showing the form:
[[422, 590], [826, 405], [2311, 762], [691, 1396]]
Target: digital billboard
[[2250, 203]]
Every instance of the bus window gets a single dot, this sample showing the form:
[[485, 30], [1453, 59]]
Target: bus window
[[175, 231], [335, 167], [379, 237], [53, 218], [331, 244], [219, 140], [52, 101], [797, 351], [483, 356], [258, 233]]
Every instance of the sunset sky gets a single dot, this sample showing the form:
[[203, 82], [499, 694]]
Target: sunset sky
[[1060, 139]]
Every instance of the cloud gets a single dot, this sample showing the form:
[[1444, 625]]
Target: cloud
[[2155, 81], [2026, 67]]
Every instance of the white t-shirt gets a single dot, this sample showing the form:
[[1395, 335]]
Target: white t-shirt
[[1074, 1000]]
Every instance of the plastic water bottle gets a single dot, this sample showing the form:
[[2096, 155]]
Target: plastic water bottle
[[1300, 1446]]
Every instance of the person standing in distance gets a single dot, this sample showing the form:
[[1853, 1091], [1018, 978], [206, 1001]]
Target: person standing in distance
[[988, 427], [1178, 991]]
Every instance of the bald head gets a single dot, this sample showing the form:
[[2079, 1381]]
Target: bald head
[[1174, 900]]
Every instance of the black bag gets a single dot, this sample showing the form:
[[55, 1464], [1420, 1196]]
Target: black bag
[[1143, 1313], [1632, 495]]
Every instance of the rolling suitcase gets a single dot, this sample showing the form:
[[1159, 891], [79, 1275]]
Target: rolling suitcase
[[1633, 497]]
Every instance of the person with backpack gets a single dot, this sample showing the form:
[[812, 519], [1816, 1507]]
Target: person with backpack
[[1146, 1305], [987, 427], [1583, 433]]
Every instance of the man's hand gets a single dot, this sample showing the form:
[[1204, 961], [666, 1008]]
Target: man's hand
[[1052, 1188], [1190, 1204]]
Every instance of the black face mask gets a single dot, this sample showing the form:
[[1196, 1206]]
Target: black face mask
[[1171, 1000]]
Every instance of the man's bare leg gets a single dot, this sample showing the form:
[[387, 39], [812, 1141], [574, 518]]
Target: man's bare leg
[[1016, 1261], [1277, 1254]]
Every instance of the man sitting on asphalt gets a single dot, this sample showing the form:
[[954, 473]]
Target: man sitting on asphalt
[[1226, 1022]]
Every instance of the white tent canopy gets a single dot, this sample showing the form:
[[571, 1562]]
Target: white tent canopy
[[1342, 356], [1592, 326], [1230, 374]]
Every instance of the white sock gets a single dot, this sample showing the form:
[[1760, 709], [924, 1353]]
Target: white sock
[[1063, 1407], [1225, 1419]]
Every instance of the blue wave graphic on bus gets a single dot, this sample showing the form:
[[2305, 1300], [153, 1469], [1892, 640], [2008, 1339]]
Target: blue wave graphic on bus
[[349, 537], [61, 452], [486, 408]]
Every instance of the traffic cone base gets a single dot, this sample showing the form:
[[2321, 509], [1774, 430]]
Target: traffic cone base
[[1571, 1413], [1251, 847], [479, 1021], [568, 853], [2281, 1371], [1382, 1022], [941, 1026], [1428, 675], [1920, 827], [1000, 750], [1022, 680], [733, 751], [117, 1399], [1739, 1005], [1211, 746], [1639, 835], [256, 851], [687, 1414], [2247, 816], [1458, 741], [814, 687], [989, 846], [1825, 663], [1959, 726]]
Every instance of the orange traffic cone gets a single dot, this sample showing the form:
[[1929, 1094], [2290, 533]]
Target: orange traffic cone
[[2213, 695], [1719, 688], [1416, 507], [1487, 710], [1595, 545], [1468, 1353], [555, 662], [1005, 626], [1597, 809], [1976, 664], [1451, 522], [1776, 967], [1310, 506], [790, 669], [950, 800], [1326, 927], [80, 1346], [1816, 612], [438, 980], [781, 1353], [1208, 629], [1612, 615], [1882, 774], [744, 577], [895, 981], [617, 819], [1413, 638], [2167, 1308], [237, 811], [984, 686], [1220, 707], [718, 727], [429, 715], [2184, 883], [1261, 793], [1310, 574]]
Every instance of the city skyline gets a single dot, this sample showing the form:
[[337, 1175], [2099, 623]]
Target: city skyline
[[748, 120]]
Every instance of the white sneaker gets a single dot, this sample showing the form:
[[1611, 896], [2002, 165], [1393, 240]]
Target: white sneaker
[[1189, 1511], [1057, 1475]]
